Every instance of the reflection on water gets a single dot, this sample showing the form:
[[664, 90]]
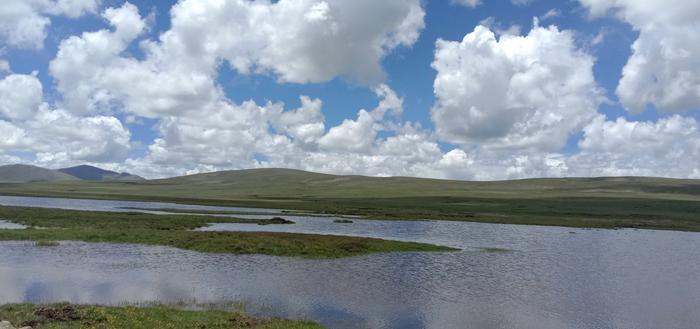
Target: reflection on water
[[5, 225], [549, 279], [111, 205]]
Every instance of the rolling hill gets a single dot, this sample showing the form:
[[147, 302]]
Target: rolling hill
[[91, 173], [640, 202], [24, 174]]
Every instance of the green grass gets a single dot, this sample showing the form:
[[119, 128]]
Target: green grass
[[64, 316], [176, 231], [636, 202]]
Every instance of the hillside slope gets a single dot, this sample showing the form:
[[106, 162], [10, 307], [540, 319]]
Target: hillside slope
[[640, 202], [296, 183], [91, 173], [24, 174]]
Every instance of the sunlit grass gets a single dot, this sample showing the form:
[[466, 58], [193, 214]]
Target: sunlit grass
[[65, 316]]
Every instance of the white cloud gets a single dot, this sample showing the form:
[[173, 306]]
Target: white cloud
[[521, 2], [499, 28], [23, 23], [359, 135], [54, 136], [667, 147], [664, 68], [231, 136], [20, 96], [552, 13], [519, 92], [466, 3], [509, 103], [59, 137], [4, 67], [90, 73], [298, 41], [475, 3]]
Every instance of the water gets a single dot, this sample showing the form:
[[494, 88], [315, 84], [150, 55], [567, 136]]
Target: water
[[5, 225], [550, 278], [112, 205]]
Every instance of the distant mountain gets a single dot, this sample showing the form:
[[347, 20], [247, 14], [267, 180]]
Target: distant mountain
[[91, 173], [24, 174]]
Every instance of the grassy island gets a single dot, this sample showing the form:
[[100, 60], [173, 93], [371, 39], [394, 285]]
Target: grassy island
[[65, 316], [177, 231]]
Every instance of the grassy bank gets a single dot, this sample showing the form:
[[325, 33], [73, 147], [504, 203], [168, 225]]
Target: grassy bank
[[635, 202], [175, 231], [64, 316]]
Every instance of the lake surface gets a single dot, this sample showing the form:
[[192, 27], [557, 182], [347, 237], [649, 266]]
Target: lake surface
[[550, 278], [5, 225], [112, 205]]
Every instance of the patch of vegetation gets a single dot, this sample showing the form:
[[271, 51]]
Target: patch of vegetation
[[494, 250], [65, 316], [60, 218], [276, 220], [176, 231]]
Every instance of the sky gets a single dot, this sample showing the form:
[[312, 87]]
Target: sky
[[461, 89]]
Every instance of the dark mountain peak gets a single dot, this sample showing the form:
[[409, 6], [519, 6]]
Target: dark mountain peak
[[90, 173], [21, 173]]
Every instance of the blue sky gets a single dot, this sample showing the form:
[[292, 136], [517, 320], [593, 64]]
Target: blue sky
[[606, 38]]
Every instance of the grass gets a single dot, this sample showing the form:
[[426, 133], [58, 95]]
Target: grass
[[65, 316], [616, 202], [176, 231]]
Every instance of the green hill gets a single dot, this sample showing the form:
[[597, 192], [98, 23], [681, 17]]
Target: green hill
[[24, 174], [643, 202], [91, 173], [296, 183]]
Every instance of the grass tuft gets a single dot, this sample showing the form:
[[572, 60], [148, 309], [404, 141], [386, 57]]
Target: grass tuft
[[46, 243], [66, 316]]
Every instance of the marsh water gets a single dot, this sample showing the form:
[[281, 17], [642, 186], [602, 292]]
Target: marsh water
[[549, 277]]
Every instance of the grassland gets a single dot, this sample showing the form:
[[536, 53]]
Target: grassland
[[64, 316], [49, 225], [635, 202]]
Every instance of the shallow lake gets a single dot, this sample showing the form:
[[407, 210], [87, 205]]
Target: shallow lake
[[112, 205], [551, 277]]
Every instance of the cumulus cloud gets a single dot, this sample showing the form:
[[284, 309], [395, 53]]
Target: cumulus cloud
[[507, 103], [233, 136], [23, 24], [668, 147], [20, 96], [359, 135], [519, 92], [664, 68], [298, 41], [199, 128], [54, 136]]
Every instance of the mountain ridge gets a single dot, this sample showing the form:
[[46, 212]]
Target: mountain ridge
[[22, 173], [92, 173]]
